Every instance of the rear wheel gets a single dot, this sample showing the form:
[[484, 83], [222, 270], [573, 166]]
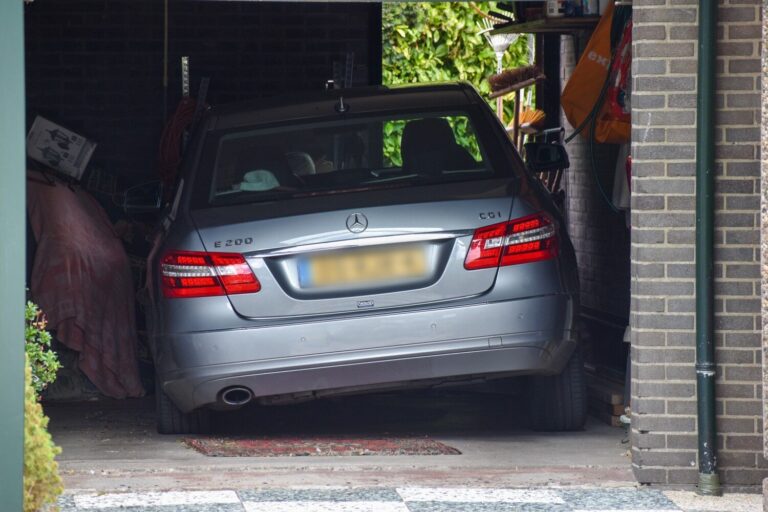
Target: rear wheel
[[170, 420], [559, 402]]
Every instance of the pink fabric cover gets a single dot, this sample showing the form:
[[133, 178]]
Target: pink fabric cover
[[81, 279]]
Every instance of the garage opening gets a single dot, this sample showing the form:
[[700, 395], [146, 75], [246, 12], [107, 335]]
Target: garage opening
[[104, 71]]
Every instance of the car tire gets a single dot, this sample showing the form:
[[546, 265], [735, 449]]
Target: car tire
[[170, 420], [559, 402]]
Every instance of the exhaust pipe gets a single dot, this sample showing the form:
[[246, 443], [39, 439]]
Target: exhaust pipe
[[236, 396]]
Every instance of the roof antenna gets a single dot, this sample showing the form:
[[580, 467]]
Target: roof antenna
[[341, 107]]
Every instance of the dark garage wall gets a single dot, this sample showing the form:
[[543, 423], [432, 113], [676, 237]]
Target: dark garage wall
[[601, 239], [96, 66]]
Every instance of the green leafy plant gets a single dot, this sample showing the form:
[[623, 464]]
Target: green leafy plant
[[42, 482], [438, 42], [42, 360]]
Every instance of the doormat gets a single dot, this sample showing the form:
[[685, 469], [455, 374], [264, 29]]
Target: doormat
[[317, 446]]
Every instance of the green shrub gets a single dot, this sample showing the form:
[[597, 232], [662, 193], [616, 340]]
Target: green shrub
[[428, 42], [42, 359], [42, 483], [437, 42]]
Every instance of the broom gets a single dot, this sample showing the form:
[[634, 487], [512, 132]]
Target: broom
[[532, 118], [512, 77]]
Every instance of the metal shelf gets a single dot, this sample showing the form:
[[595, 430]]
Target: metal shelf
[[517, 87], [550, 26]]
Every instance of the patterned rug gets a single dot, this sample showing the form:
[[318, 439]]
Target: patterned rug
[[317, 446]]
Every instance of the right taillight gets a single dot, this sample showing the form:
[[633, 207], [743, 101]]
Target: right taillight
[[206, 274], [523, 240]]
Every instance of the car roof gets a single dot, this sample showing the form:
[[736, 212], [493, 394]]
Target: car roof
[[324, 104]]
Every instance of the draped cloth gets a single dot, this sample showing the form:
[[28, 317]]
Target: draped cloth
[[81, 279]]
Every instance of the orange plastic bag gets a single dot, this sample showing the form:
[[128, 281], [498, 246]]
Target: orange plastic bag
[[583, 88]]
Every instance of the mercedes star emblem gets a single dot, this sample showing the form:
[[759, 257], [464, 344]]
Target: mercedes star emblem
[[357, 223]]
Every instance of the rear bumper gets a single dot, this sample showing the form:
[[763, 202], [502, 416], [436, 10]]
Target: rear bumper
[[519, 337]]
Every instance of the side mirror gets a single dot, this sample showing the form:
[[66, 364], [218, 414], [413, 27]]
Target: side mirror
[[545, 157], [144, 198]]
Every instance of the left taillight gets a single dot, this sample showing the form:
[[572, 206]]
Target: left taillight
[[523, 240], [206, 274]]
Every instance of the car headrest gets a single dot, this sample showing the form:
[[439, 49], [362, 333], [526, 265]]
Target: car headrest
[[425, 136], [300, 163]]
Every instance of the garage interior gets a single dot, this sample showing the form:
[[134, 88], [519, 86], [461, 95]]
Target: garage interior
[[96, 67]]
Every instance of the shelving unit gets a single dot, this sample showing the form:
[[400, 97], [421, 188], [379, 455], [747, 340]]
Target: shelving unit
[[550, 26], [517, 87], [547, 32]]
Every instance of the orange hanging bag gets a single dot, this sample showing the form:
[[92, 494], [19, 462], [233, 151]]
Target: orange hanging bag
[[583, 89]]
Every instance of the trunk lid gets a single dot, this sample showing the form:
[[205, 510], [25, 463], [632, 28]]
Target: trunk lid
[[354, 259]]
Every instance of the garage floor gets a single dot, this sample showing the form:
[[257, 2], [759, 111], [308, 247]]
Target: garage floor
[[112, 446]]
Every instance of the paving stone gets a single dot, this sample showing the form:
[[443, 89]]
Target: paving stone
[[732, 502], [467, 495], [617, 499], [325, 506], [210, 507], [436, 506], [326, 494], [409, 499]]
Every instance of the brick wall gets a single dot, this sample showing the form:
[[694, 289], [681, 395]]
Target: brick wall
[[96, 66], [600, 238], [663, 220], [764, 237]]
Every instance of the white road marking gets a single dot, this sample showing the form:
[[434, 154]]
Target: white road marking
[[457, 495], [156, 499], [627, 510], [325, 506]]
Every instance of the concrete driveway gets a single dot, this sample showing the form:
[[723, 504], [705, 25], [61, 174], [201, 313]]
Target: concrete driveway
[[112, 446]]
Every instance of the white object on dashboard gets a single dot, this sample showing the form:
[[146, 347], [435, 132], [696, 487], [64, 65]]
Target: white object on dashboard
[[555, 9]]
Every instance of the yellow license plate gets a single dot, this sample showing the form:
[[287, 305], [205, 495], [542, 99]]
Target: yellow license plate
[[363, 266]]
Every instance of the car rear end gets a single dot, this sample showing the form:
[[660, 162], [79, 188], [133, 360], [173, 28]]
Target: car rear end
[[358, 241]]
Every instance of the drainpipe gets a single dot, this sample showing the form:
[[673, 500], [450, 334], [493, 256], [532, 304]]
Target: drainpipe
[[709, 481]]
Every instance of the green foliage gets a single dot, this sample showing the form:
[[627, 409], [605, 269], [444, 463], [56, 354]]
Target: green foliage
[[42, 360], [393, 131], [42, 483], [465, 135], [437, 42], [432, 42]]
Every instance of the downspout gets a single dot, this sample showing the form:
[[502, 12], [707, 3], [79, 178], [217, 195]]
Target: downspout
[[709, 481]]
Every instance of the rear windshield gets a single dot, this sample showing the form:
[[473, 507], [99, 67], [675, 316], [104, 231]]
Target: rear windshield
[[343, 156]]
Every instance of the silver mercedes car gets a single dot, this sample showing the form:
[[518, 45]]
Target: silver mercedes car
[[359, 240]]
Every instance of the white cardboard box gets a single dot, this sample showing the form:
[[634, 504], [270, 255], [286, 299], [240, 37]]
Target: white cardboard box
[[59, 148]]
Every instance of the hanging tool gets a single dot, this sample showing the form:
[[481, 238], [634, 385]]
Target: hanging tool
[[185, 77], [499, 43], [620, 53]]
